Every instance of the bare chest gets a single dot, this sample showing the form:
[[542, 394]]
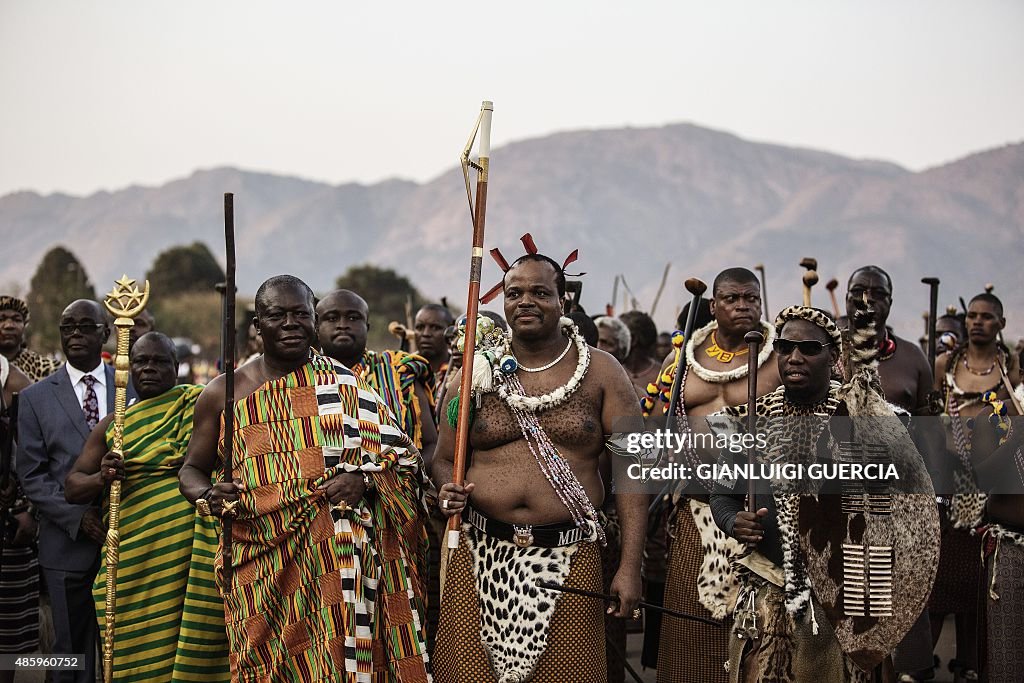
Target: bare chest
[[576, 424]]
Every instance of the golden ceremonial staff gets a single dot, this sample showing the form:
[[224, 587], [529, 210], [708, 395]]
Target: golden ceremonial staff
[[478, 211], [124, 302]]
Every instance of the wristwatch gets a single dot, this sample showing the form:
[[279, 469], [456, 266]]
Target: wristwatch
[[203, 507]]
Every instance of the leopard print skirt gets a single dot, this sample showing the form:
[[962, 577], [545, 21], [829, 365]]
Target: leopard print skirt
[[497, 627]]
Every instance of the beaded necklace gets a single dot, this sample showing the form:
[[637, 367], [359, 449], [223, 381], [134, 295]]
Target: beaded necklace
[[554, 467], [547, 366], [498, 374]]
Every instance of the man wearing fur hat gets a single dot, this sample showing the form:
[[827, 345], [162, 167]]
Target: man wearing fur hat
[[14, 318]]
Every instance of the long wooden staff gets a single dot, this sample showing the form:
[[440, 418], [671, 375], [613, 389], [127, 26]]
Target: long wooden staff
[[696, 287], [228, 364], [124, 302], [661, 288], [754, 340], [479, 211], [933, 312]]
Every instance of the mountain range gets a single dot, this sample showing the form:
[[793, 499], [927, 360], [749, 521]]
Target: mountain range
[[630, 199]]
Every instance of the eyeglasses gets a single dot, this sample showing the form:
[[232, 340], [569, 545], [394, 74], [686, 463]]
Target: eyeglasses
[[808, 347], [85, 328]]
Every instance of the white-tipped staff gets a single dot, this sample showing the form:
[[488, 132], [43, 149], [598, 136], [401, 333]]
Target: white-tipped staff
[[478, 210]]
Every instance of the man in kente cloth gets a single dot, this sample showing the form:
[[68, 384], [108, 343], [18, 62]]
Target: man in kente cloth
[[329, 501], [169, 616], [970, 378], [906, 383], [404, 380], [529, 503], [699, 578]]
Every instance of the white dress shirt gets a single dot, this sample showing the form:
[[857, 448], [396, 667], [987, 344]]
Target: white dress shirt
[[100, 387]]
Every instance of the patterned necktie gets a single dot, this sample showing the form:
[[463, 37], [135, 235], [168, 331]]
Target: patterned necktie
[[91, 405]]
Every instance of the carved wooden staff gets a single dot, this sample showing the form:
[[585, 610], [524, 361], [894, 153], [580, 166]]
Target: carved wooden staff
[[754, 340], [831, 287], [228, 365], [478, 210], [696, 287], [810, 278], [933, 312], [124, 302]]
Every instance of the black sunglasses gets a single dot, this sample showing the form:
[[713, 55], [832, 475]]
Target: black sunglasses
[[84, 328], [808, 347]]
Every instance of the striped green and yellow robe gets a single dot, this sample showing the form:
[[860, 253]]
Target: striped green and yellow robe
[[393, 375], [322, 595], [169, 616]]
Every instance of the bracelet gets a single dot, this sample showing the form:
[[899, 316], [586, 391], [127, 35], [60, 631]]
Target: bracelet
[[367, 481]]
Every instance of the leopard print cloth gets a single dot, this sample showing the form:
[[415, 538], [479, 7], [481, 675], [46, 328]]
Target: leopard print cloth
[[34, 366], [498, 627]]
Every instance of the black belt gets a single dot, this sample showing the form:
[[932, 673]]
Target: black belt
[[528, 535]]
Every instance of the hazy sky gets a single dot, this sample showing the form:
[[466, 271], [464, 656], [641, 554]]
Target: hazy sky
[[102, 94]]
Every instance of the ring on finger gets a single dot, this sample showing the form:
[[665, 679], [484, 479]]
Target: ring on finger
[[444, 504]]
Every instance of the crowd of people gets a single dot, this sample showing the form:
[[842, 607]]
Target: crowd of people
[[341, 565]]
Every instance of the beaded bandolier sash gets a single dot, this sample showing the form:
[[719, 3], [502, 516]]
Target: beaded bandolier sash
[[494, 370]]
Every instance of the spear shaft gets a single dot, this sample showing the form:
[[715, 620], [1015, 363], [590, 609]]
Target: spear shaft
[[472, 307]]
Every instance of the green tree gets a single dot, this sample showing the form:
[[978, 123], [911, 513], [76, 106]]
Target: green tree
[[387, 293], [197, 316], [183, 269], [59, 279]]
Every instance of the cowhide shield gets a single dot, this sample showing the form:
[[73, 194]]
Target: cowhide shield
[[871, 552]]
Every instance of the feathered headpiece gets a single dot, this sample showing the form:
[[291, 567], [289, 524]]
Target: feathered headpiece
[[531, 248]]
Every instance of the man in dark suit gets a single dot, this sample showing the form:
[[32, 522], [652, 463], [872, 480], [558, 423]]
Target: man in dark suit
[[54, 420]]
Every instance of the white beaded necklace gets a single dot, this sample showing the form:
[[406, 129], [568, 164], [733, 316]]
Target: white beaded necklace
[[548, 366], [518, 399]]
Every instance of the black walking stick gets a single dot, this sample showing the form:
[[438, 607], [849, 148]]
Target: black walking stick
[[754, 340], [228, 365], [933, 312]]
